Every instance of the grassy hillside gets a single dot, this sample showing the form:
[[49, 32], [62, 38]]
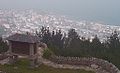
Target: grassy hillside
[[23, 67]]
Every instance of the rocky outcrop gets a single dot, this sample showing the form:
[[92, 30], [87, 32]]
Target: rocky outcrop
[[4, 59], [89, 64], [99, 65]]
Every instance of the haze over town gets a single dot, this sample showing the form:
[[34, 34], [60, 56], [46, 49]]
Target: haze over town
[[103, 11]]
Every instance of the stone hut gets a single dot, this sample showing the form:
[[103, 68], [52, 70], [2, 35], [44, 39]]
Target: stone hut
[[23, 45]]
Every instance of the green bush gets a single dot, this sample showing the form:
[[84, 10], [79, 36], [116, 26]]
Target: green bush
[[47, 53], [3, 46]]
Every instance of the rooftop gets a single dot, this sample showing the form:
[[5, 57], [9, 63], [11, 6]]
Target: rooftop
[[28, 38]]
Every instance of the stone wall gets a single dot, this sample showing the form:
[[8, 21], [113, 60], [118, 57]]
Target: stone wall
[[94, 63], [90, 63], [3, 59]]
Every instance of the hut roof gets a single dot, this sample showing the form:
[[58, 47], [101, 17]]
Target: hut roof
[[28, 38]]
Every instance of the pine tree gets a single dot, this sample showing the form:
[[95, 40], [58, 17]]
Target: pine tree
[[114, 41]]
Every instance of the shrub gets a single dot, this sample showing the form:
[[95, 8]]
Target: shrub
[[47, 53], [3, 46]]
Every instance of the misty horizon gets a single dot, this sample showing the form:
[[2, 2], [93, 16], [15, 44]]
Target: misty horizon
[[106, 11]]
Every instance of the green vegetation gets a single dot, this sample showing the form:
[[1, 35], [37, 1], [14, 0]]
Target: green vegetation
[[47, 53], [22, 66], [3, 45], [74, 45]]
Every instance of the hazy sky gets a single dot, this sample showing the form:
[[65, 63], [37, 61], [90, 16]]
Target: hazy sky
[[107, 11]]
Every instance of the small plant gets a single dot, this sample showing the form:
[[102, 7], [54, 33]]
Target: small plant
[[47, 53], [3, 45]]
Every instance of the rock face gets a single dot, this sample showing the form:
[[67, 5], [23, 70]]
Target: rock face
[[94, 66]]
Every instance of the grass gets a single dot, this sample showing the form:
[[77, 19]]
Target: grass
[[23, 67]]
